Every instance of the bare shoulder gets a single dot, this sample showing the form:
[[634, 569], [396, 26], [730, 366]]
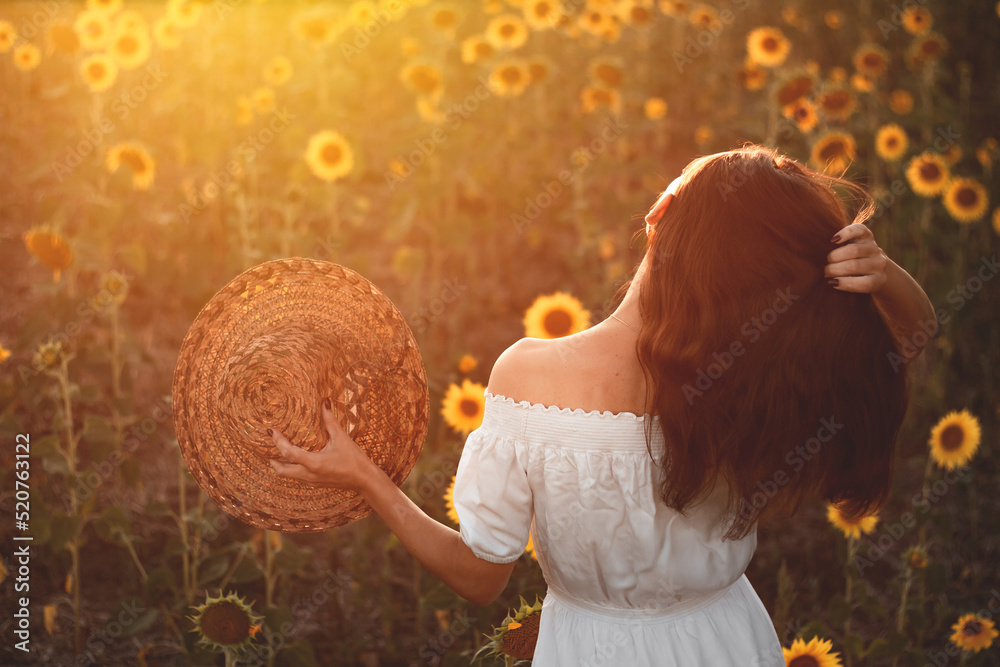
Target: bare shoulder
[[516, 371]]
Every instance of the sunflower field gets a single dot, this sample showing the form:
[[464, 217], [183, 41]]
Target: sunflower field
[[487, 164]]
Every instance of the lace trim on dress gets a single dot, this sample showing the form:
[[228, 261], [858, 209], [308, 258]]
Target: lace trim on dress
[[555, 409]]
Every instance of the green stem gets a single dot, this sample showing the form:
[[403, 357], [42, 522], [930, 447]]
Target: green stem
[[182, 525], [135, 559], [851, 548], [74, 545]]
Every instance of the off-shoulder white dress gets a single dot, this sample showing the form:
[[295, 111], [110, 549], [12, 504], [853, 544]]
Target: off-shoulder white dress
[[630, 581]]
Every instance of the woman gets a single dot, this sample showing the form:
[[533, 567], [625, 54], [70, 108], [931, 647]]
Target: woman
[[757, 330]]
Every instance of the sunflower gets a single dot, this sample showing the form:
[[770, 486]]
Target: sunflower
[[263, 100], [166, 33], [317, 29], [409, 47], [704, 17], [48, 355], [791, 16], [99, 71], [540, 68], [837, 75], [928, 174], [530, 548], [185, 12], [952, 155], [901, 101], [834, 20], [131, 20], [509, 78], [8, 35], [703, 134], [27, 56], [817, 653], [996, 220], [917, 20], [449, 502], [833, 152], [851, 527], [595, 22], [329, 156], [862, 83], [493, 6], [62, 38], [891, 142], [966, 199], [542, 14], [915, 557], [985, 152], [517, 634], [109, 6], [767, 46], [507, 32], [871, 60], [50, 248], [278, 71], [655, 108], [636, 12], [463, 406], [794, 87], [554, 316], [4, 355], [361, 12], [926, 48], [593, 98], [226, 623], [803, 113], [467, 364], [423, 79], [475, 48], [445, 18], [752, 76], [837, 103], [955, 439], [606, 73], [136, 156], [973, 633], [130, 48]]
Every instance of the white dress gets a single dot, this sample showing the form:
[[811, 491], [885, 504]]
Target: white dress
[[630, 581]]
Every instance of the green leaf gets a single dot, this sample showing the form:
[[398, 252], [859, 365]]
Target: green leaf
[[815, 628], [298, 653], [64, 529], [113, 525], [158, 508], [98, 430], [143, 622], [839, 609], [879, 648], [854, 645], [247, 570], [936, 578], [896, 643], [47, 448], [212, 568], [290, 558], [276, 617]]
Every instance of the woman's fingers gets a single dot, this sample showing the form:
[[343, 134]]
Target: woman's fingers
[[331, 421], [854, 232]]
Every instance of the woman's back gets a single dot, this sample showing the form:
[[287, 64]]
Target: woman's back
[[625, 573]]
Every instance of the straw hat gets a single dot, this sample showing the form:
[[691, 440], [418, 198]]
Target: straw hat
[[263, 353]]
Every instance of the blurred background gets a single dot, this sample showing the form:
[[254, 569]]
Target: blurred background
[[487, 164]]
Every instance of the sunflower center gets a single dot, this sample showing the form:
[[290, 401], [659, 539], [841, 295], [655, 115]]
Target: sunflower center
[[795, 89], [609, 74], [508, 30], [424, 79], [952, 437], [468, 407], [542, 10], [930, 47], [128, 45], [445, 19], [966, 197], [832, 150], [511, 75], [872, 60], [972, 628], [483, 50], [804, 661], [332, 154], [557, 323], [225, 623], [769, 44], [930, 171], [836, 101], [641, 14], [133, 160], [891, 141], [801, 113], [94, 29], [96, 70]]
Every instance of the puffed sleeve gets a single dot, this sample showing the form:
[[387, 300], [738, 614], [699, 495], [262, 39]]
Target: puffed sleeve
[[492, 496]]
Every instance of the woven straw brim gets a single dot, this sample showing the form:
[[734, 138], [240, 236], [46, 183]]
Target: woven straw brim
[[263, 353]]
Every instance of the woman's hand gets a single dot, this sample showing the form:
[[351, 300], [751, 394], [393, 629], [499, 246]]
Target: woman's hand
[[342, 463], [858, 265]]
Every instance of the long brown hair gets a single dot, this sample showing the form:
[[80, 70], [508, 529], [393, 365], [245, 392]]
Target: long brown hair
[[759, 370]]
